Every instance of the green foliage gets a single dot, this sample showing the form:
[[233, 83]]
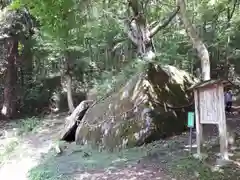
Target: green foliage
[[16, 4], [8, 150], [36, 98], [191, 168], [102, 57], [42, 175], [27, 125]]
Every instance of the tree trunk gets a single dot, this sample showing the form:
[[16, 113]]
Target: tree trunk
[[69, 93], [27, 60], [197, 42], [69, 83], [10, 98], [141, 33], [25, 64]]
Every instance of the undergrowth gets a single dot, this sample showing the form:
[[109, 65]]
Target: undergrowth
[[8, 149], [75, 161], [63, 167], [192, 169], [27, 125], [22, 126]]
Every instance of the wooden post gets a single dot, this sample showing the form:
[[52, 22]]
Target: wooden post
[[222, 127], [198, 124]]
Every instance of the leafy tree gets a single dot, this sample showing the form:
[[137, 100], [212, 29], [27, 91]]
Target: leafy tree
[[94, 44], [15, 26]]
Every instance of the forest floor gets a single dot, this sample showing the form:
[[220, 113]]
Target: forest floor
[[27, 153]]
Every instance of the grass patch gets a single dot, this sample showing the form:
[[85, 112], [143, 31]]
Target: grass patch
[[22, 126], [74, 160], [8, 149], [11, 146], [64, 166], [192, 169], [27, 125], [43, 175]]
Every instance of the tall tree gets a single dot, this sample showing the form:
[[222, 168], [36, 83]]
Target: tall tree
[[10, 74], [60, 22], [196, 41], [14, 25]]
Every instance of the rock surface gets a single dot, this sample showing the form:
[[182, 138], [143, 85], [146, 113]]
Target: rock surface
[[71, 122], [152, 105]]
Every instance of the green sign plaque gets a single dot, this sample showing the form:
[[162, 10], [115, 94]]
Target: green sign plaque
[[190, 119]]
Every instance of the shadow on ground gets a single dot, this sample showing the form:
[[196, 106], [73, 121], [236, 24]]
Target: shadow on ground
[[86, 163], [160, 160]]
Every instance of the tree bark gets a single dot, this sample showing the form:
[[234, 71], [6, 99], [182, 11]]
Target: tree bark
[[69, 93], [196, 41], [27, 60], [68, 76], [25, 64], [141, 33], [10, 98]]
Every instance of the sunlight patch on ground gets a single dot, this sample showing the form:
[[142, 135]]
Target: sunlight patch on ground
[[127, 173], [26, 158], [28, 148], [17, 169]]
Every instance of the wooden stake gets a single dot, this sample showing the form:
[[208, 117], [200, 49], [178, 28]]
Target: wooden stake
[[198, 125]]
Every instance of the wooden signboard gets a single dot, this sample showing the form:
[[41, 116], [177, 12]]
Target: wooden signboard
[[210, 109], [208, 105]]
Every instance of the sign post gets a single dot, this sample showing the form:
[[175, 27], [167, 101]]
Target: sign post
[[190, 126]]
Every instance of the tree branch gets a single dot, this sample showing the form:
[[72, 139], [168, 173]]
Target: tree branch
[[152, 24], [160, 25], [229, 12]]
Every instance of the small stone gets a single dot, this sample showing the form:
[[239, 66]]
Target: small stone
[[58, 149], [85, 154], [196, 174], [200, 156], [166, 145], [110, 170], [216, 169], [129, 166], [222, 162]]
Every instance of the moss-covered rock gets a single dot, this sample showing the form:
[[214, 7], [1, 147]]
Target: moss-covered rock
[[147, 108]]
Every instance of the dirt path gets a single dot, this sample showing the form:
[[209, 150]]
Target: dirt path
[[27, 151], [30, 157]]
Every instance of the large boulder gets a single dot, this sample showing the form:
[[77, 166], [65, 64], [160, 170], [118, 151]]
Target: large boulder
[[152, 105]]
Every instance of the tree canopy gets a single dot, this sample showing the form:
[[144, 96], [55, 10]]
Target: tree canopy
[[101, 43]]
